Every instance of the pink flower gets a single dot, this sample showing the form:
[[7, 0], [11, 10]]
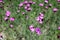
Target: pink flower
[[50, 5], [38, 18], [30, 2], [41, 4], [8, 13], [59, 28], [38, 31], [55, 9], [1, 0], [28, 5], [40, 21], [12, 19], [46, 7], [25, 2], [29, 9], [33, 2], [46, 1], [41, 14], [23, 12], [31, 27], [41, 17], [21, 4], [11, 25], [58, 0], [6, 18]]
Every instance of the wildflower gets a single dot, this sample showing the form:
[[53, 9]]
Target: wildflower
[[41, 4], [8, 13], [11, 25], [41, 14], [55, 9], [40, 21], [23, 12], [30, 2], [29, 9], [31, 27], [25, 2], [41, 17], [6, 18], [59, 28], [1, 0], [58, 0], [12, 19], [21, 4], [46, 7], [38, 31], [1, 37], [50, 5], [46, 1], [33, 2], [28, 5], [38, 18]]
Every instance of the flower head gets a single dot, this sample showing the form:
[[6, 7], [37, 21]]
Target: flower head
[[6, 18], [21, 4], [38, 31], [55, 9], [11, 25], [58, 0], [12, 19], [31, 27], [46, 1], [1, 0], [41, 4], [59, 28], [8, 13]]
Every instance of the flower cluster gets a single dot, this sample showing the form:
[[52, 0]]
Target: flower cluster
[[27, 5], [37, 29], [9, 18], [40, 18]]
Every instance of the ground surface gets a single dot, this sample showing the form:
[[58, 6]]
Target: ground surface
[[21, 31]]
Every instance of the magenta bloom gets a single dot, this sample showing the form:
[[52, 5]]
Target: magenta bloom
[[33, 3], [58, 0], [21, 4], [41, 17], [46, 1], [41, 14], [40, 21], [29, 9], [25, 2], [46, 7], [41, 4], [28, 5], [38, 18], [50, 5], [8, 13], [1, 0], [59, 28], [6, 18], [23, 12], [12, 19], [11, 25], [30, 2], [38, 31], [31, 27], [55, 9]]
